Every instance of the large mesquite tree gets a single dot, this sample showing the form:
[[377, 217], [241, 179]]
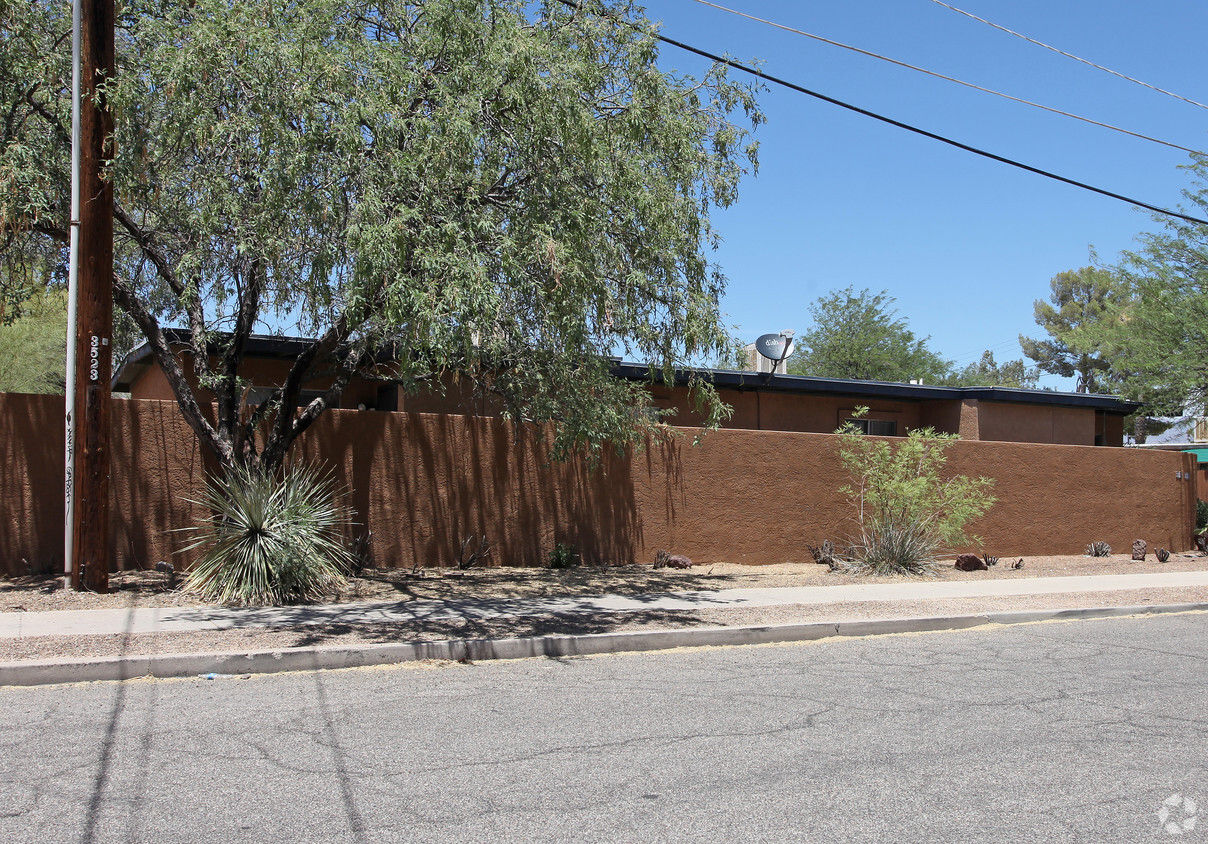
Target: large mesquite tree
[[482, 187]]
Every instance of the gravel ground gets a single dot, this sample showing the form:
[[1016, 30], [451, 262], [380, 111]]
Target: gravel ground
[[267, 639], [151, 589]]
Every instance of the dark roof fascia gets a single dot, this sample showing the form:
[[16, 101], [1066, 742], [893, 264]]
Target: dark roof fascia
[[808, 385], [287, 348]]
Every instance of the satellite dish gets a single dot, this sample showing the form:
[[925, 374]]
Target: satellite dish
[[774, 347]]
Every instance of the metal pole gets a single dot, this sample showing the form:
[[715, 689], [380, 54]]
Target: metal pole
[[73, 270]]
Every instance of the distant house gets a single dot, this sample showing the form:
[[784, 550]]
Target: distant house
[[761, 401]]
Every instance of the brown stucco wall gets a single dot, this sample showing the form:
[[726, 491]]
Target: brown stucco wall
[[1111, 427], [775, 411], [1005, 422], [422, 482], [156, 464], [943, 416]]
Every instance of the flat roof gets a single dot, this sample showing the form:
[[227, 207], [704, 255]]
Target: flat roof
[[809, 385], [285, 348]]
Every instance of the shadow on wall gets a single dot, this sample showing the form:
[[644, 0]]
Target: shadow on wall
[[32, 506], [157, 467], [424, 482]]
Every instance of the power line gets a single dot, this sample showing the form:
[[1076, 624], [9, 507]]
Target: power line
[[575, 4], [1070, 55], [971, 356], [937, 75], [966, 147]]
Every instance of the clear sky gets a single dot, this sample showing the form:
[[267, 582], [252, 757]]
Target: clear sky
[[964, 244]]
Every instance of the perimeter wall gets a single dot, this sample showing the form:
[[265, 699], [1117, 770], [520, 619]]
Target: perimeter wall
[[423, 482]]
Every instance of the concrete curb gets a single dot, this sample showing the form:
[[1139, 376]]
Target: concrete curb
[[47, 672]]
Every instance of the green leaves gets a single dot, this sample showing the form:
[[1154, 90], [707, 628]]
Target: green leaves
[[909, 510], [490, 186], [1159, 333], [1081, 305], [859, 336], [987, 372], [33, 346], [272, 540]]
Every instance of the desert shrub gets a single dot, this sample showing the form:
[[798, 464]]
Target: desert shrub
[[271, 539], [1201, 515], [908, 512], [563, 556], [1098, 549], [474, 551], [825, 554]]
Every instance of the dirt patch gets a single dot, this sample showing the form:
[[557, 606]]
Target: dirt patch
[[152, 589]]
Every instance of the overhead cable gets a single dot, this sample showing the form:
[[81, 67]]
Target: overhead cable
[[1070, 55], [574, 4], [909, 66], [966, 147]]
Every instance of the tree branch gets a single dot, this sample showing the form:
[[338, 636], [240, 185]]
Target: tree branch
[[170, 364], [149, 247]]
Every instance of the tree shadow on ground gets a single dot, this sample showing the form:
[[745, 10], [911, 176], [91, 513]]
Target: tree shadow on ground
[[556, 624], [508, 582]]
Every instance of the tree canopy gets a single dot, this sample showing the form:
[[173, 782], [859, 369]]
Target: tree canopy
[[488, 187], [1158, 334], [860, 336], [1080, 304], [33, 344], [987, 372]]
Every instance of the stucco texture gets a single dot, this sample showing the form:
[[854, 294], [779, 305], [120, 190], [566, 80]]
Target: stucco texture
[[423, 482]]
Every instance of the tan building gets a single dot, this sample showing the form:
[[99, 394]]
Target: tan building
[[761, 401]]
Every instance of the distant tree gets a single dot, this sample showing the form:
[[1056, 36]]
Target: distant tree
[[1080, 304], [33, 344], [859, 336], [989, 373]]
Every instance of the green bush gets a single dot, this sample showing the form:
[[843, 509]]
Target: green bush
[[563, 557], [1201, 515], [272, 540], [908, 512]]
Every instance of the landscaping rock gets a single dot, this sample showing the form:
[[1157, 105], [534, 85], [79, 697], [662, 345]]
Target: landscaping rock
[[1139, 548], [970, 562], [1162, 554], [663, 560]]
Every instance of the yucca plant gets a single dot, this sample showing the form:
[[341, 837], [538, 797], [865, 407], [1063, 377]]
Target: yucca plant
[[272, 539], [887, 547]]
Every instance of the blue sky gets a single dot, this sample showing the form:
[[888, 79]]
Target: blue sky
[[964, 244]]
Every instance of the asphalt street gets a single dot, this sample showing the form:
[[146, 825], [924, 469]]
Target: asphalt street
[[1056, 732]]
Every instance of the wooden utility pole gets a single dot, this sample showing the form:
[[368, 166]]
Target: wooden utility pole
[[94, 321]]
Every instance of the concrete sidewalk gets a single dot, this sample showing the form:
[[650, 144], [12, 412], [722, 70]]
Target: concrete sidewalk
[[180, 619]]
